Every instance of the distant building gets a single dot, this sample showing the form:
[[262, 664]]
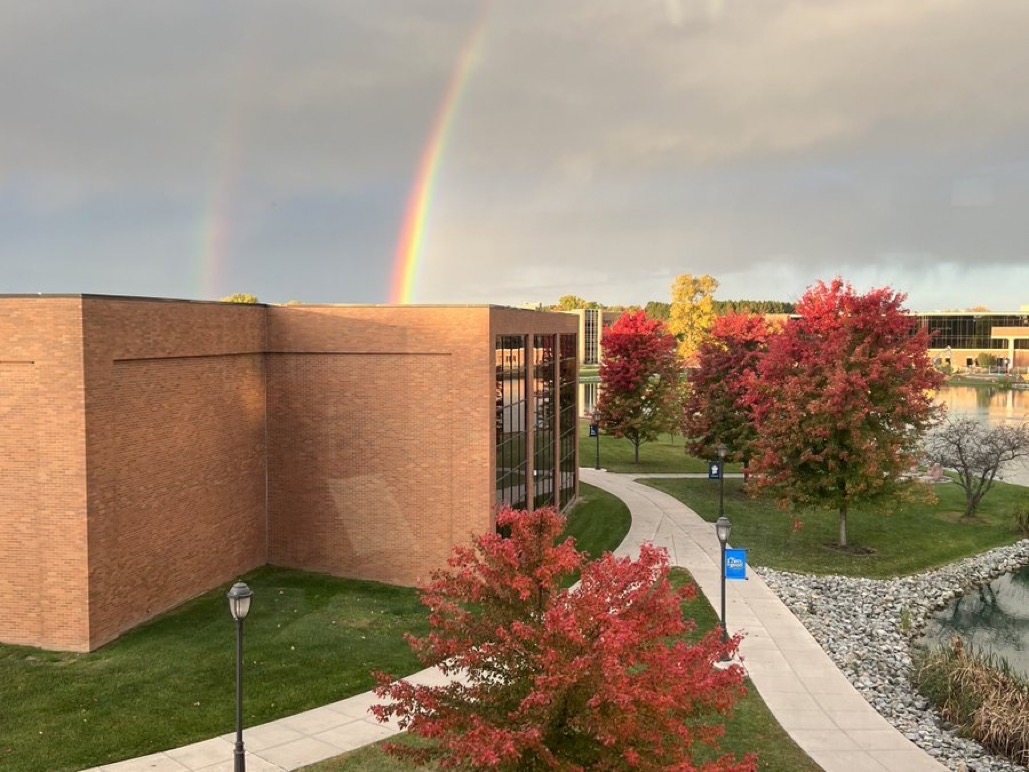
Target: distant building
[[958, 338], [592, 323], [151, 450]]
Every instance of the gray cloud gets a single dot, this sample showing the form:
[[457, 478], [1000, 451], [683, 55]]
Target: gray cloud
[[600, 147]]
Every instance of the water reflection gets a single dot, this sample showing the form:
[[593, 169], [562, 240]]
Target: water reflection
[[994, 618], [988, 402]]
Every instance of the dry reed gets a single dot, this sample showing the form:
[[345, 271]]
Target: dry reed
[[980, 695]]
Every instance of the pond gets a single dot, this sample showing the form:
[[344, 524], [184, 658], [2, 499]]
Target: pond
[[991, 404], [994, 618]]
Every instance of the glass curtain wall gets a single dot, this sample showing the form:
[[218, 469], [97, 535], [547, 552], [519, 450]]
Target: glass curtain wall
[[591, 331], [545, 404], [511, 420], [969, 331], [568, 419]]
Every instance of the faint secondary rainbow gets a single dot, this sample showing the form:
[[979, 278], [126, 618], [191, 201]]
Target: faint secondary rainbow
[[227, 161], [419, 203]]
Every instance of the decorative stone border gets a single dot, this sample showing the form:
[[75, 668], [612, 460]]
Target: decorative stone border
[[867, 627]]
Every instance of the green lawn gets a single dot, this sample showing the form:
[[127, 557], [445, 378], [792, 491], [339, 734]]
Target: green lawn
[[599, 522], [310, 640], [751, 729], [664, 455], [914, 539]]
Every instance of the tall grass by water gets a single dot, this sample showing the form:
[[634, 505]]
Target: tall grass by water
[[980, 694]]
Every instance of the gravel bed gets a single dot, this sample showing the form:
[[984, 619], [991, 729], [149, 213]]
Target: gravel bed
[[859, 624]]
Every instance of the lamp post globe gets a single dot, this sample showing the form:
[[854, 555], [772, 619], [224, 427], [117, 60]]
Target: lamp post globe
[[239, 601], [723, 528], [239, 598]]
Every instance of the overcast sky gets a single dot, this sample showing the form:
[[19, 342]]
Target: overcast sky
[[599, 148]]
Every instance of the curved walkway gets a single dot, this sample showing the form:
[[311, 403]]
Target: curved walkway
[[809, 696]]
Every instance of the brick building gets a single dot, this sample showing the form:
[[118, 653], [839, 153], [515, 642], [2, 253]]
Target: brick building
[[151, 450]]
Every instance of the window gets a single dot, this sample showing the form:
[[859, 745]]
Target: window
[[568, 418], [511, 421], [545, 412]]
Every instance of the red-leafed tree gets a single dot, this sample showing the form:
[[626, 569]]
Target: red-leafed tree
[[594, 677], [842, 399], [716, 410], [639, 380]]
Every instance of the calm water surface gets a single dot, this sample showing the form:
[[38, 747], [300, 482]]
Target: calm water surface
[[991, 405], [994, 618]]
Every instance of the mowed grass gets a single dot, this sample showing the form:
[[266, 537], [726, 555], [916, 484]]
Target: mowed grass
[[915, 538], [750, 729], [599, 521], [310, 639], [665, 455]]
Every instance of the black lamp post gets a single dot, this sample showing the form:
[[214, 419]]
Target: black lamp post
[[722, 450], [723, 527], [595, 421], [239, 606]]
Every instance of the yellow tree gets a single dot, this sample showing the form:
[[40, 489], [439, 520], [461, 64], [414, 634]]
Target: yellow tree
[[572, 302], [241, 297], [692, 313]]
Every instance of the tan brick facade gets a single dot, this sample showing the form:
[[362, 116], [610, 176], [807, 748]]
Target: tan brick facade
[[152, 450]]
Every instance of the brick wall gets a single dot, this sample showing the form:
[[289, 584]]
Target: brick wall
[[176, 453], [379, 437], [43, 598]]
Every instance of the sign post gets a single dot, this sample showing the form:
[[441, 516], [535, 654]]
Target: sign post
[[595, 432]]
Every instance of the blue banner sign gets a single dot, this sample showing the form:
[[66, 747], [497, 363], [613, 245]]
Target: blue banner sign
[[714, 470], [736, 564], [594, 430]]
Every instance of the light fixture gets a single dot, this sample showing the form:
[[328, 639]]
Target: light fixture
[[239, 606]]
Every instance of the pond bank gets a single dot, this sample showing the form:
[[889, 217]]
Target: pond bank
[[867, 627]]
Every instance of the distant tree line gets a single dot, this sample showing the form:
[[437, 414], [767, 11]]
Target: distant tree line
[[655, 309]]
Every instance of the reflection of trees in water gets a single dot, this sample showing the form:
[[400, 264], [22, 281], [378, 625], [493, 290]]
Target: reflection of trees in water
[[995, 617], [1021, 578], [983, 397], [990, 404]]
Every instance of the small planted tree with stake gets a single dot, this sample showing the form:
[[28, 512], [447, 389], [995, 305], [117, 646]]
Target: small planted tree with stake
[[977, 453]]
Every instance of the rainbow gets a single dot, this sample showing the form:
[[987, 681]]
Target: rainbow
[[419, 202], [227, 162]]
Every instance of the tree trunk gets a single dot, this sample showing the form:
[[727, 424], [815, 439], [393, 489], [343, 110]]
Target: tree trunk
[[637, 445], [843, 526], [971, 505]]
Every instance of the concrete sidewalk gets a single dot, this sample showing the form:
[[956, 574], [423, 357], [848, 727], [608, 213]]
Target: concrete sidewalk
[[807, 693], [802, 687]]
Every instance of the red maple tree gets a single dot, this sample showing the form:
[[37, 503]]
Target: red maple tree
[[716, 410], [594, 677], [640, 378], [842, 399]]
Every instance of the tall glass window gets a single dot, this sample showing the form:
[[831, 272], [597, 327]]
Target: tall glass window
[[511, 420], [591, 329], [545, 407], [568, 417], [588, 397]]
